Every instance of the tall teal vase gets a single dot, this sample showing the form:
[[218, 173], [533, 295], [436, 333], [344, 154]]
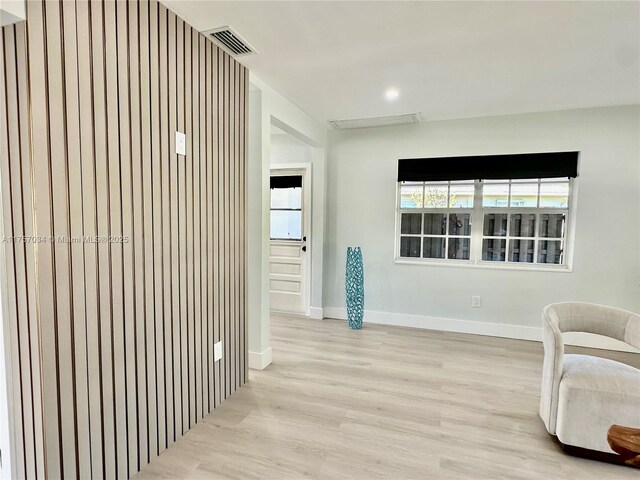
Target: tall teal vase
[[354, 287]]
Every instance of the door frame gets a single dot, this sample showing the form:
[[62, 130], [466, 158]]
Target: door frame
[[305, 169]]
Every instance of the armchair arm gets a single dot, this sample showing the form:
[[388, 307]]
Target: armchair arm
[[551, 369]]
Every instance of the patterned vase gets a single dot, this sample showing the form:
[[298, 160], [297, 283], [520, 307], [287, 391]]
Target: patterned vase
[[354, 287]]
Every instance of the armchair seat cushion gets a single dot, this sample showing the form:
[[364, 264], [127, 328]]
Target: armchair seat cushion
[[595, 393]]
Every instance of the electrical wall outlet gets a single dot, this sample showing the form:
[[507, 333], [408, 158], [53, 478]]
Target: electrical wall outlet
[[181, 143], [475, 301], [217, 351]]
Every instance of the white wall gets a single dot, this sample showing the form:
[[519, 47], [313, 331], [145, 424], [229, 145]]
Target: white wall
[[362, 166], [268, 107], [257, 302]]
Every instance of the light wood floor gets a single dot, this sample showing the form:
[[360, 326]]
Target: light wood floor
[[383, 402]]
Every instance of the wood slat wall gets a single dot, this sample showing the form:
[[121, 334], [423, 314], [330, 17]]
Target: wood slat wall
[[112, 342]]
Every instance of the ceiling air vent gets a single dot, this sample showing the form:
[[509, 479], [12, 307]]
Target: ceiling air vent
[[376, 121], [230, 40]]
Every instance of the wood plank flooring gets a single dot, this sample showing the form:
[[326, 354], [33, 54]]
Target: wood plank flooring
[[383, 402]]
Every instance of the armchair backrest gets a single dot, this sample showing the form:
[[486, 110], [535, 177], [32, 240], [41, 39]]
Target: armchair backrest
[[599, 319]]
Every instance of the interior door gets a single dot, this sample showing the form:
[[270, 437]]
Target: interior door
[[288, 280]]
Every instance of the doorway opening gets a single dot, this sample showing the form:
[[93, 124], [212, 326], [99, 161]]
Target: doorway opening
[[289, 238]]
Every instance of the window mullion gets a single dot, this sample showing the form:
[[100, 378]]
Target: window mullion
[[476, 223], [536, 239]]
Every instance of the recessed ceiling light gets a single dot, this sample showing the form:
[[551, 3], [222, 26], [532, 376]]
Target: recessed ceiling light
[[391, 94]]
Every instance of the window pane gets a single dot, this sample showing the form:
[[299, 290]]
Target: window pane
[[435, 223], [550, 251], [495, 195], [286, 197], [433, 247], [524, 195], [554, 195], [521, 251], [286, 224], [459, 248], [552, 225], [459, 224], [411, 195], [495, 225], [435, 196], [409, 246], [461, 195], [493, 249], [522, 225], [411, 223]]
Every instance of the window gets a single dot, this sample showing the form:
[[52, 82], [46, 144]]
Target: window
[[484, 222], [524, 221], [435, 222], [505, 210], [286, 207]]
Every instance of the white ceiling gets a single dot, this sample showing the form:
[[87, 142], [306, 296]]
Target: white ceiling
[[448, 59]]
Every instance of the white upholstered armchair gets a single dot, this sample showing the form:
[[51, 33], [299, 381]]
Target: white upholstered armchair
[[582, 395]]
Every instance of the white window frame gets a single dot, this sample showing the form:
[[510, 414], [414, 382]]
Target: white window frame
[[477, 220]]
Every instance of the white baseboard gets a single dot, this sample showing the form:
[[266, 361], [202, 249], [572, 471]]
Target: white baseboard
[[316, 313], [504, 330], [260, 361]]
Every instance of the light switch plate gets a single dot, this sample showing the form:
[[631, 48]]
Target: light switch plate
[[181, 143], [217, 351], [475, 301]]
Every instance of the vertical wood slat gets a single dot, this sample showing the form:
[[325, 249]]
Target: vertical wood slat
[[229, 237], [59, 205], [216, 194], [220, 223], [180, 232], [89, 226], [114, 249], [243, 225], [27, 201], [128, 319], [137, 188], [202, 224], [176, 391], [113, 342], [196, 261], [75, 212], [16, 253], [148, 18], [235, 272], [9, 120], [33, 375], [210, 217], [47, 313], [103, 262], [165, 339], [159, 152], [226, 163], [174, 110], [188, 217]]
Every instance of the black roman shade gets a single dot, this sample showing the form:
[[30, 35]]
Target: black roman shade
[[286, 181], [489, 167]]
